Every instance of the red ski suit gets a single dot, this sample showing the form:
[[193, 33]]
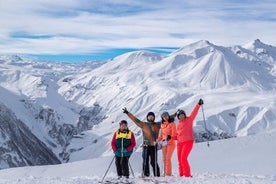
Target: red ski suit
[[185, 141]]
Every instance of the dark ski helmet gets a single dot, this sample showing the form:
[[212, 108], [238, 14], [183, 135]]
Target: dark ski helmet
[[150, 114], [181, 112], [123, 122], [165, 114]]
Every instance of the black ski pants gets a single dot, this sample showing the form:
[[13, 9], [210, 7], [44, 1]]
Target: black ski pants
[[150, 155], [122, 166]]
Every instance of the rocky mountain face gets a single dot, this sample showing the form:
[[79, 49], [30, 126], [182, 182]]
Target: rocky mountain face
[[61, 134], [52, 111], [33, 131], [19, 146]]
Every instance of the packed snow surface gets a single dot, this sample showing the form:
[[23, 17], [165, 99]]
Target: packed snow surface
[[244, 160]]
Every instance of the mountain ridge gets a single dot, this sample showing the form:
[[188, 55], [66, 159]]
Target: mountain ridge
[[73, 107]]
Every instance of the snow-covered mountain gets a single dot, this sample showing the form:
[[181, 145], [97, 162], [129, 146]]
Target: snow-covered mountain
[[74, 108]]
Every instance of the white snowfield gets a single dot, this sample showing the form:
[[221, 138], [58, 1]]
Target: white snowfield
[[243, 160]]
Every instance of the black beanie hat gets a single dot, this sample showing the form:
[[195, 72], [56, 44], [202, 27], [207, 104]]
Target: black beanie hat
[[123, 122], [181, 112], [165, 114], [151, 114]]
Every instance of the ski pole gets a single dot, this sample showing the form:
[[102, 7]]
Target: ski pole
[[155, 164], [108, 169], [131, 169], [205, 125]]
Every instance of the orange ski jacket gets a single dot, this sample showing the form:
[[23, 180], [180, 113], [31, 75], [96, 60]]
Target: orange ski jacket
[[167, 129]]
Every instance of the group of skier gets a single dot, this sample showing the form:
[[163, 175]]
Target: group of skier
[[165, 135]]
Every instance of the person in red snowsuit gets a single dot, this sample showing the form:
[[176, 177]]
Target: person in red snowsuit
[[185, 139]]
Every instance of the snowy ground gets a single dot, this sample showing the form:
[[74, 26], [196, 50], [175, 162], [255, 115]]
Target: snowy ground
[[244, 160]]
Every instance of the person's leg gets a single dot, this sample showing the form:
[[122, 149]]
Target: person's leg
[[145, 166], [118, 166], [153, 160], [170, 150], [164, 153], [125, 168], [179, 158], [187, 147]]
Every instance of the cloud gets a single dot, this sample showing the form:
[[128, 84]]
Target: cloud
[[91, 26]]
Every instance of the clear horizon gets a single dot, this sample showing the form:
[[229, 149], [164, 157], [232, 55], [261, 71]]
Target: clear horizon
[[73, 58]]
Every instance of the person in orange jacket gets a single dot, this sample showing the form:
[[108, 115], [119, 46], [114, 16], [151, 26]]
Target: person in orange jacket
[[168, 131], [185, 139]]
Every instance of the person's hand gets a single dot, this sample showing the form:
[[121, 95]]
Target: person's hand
[[169, 137], [159, 145], [125, 110], [200, 102], [173, 115], [178, 110], [164, 143]]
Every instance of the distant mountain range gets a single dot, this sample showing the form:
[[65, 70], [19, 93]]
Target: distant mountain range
[[51, 112]]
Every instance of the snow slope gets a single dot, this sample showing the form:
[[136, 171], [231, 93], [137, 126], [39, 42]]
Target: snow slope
[[244, 160]]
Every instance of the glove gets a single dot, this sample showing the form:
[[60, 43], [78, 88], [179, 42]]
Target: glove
[[200, 102], [174, 114], [125, 110], [178, 110], [169, 137], [124, 150], [164, 143], [158, 145]]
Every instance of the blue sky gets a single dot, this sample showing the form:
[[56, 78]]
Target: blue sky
[[81, 30]]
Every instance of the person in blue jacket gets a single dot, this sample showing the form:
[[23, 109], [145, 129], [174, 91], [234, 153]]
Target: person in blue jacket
[[123, 143]]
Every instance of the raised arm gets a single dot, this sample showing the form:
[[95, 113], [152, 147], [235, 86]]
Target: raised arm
[[138, 122], [196, 108]]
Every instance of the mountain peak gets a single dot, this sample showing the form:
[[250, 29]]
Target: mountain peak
[[140, 56], [257, 40], [196, 49], [264, 51], [201, 44], [255, 44], [11, 58]]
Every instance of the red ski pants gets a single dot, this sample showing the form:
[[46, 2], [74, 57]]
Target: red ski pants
[[183, 151]]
